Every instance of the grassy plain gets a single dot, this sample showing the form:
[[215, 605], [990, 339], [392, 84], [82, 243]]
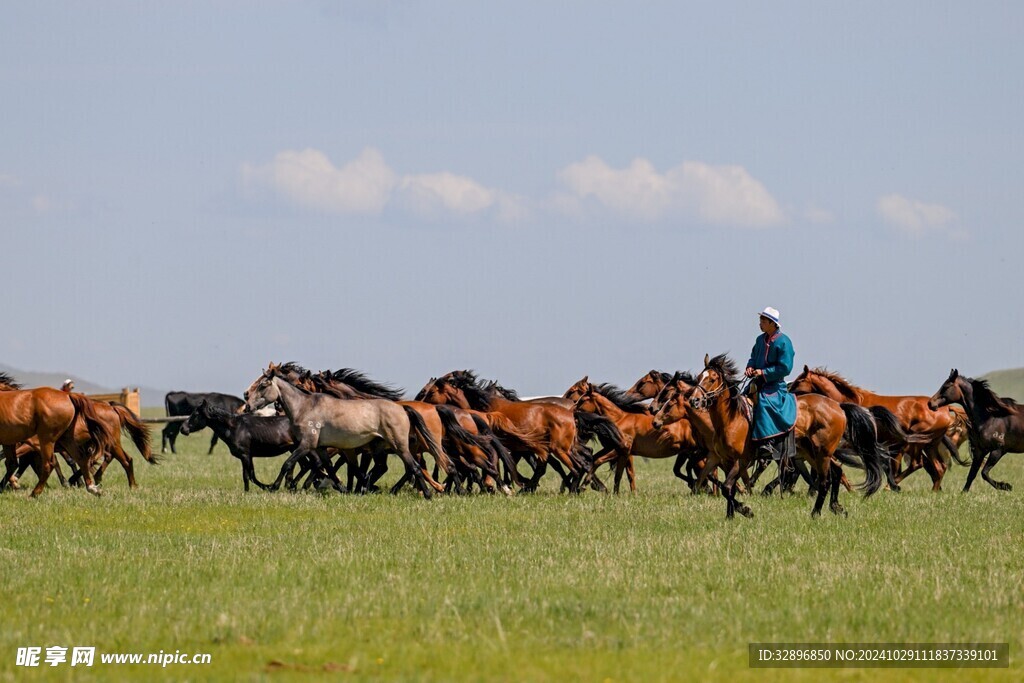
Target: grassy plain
[[646, 587]]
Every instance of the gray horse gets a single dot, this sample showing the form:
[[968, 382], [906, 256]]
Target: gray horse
[[322, 422]]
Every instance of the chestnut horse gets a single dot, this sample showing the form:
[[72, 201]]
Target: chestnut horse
[[117, 418], [650, 385], [554, 426], [639, 435], [923, 429], [50, 416], [821, 426], [996, 423]]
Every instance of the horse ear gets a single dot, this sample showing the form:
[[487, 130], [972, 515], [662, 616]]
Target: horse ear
[[806, 369], [707, 359], [586, 379], [954, 373]]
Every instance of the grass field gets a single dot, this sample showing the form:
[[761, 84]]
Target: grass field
[[653, 586]]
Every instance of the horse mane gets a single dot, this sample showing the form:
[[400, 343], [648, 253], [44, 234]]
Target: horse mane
[[625, 401], [844, 386], [473, 388], [423, 392], [361, 382], [291, 367], [727, 368], [685, 375], [989, 401], [8, 383], [507, 394], [218, 414]]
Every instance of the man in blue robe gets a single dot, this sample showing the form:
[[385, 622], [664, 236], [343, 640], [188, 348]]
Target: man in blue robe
[[775, 409]]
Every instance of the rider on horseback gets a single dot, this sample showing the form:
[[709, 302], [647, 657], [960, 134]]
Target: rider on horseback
[[775, 409]]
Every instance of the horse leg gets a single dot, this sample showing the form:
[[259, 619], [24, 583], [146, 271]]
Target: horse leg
[[993, 458], [729, 491], [837, 479], [934, 469], [620, 465], [46, 460], [822, 470], [286, 469], [126, 463], [538, 472], [976, 463], [631, 473], [213, 442]]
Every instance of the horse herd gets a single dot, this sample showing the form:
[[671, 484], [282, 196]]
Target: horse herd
[[477, 432]]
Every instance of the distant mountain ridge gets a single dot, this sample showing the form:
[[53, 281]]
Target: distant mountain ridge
[[148, 397]]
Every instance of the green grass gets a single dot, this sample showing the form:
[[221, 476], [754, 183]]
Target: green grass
[[653, 586]]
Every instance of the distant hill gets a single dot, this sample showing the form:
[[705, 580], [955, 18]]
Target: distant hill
[[148, 397], [1007, 383]]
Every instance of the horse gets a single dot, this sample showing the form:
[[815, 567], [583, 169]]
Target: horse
[[246, 435], [996, 423], [639, 435], [50, 416], [322, 422], [555, 427], [117, 418], [650, 385], [919, 427], [821, 426], [183, 404]]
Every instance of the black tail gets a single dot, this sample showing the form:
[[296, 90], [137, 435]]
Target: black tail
[[591, 426], [954, 451], [861, 435], [485, 440], [418, 425], [499, 448]]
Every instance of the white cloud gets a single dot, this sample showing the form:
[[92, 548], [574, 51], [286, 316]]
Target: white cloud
[[917, 218], [8, 180], [719, 195], [367, 185], [453, 192], [309, 179]]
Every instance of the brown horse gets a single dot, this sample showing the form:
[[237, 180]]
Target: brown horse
[[49, 415], [639, 435], [650, 385], [117, 418], [922, 430], [821, 426], [554, 426]]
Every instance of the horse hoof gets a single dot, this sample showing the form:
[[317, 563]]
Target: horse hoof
[[815, 513], [839, 510], [94, 490], [1003, 486]]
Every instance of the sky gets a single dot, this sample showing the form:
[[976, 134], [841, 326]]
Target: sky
[[539, 191]]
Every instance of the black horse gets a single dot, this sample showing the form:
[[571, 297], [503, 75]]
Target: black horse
[[247, 435], [996, 428], [183, 404]]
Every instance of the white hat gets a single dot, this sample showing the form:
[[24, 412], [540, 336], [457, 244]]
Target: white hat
[[772, 314]]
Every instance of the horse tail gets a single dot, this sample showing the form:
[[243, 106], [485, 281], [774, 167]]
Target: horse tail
[[862, 436], [503, 453], [954, 451], [592, 425], [136, 430], [484, 440], [99, 436], [419, 426]]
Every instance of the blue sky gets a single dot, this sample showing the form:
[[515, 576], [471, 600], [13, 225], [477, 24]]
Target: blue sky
[[535, 190]]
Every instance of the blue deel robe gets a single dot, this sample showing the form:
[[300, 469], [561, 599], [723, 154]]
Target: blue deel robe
[[775, 412]]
